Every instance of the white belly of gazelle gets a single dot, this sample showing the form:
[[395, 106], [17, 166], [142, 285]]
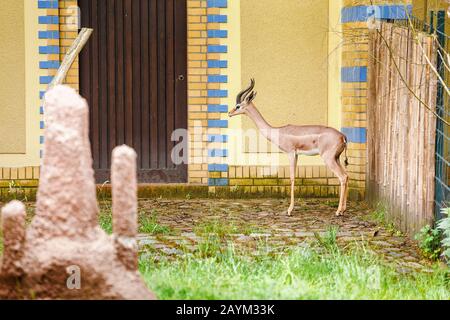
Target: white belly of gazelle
[[312, 152]]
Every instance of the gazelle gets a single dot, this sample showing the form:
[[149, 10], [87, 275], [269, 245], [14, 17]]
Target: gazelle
[[312, 140]]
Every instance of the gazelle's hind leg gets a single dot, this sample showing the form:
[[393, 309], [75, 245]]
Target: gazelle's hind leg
[[293, 166], [335, 165]]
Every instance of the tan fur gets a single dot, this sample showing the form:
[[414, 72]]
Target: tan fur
[[328, 142]]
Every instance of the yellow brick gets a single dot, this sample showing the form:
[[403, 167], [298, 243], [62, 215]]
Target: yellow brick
[[196, 26], [232, 172], [197, 100], [14, 173], [214, 41], [194, 19], [354, 100], [21, 174], [215, 174], [197, 71], [194, 34], [213, 10], [195, 180], [197, 11], [266, 182], [193, 4], [239, 172], [6, 173], [213, 26], [241, 182], [36, 172]]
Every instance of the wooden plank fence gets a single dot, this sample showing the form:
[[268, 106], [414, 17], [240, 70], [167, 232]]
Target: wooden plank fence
[[401, 131]]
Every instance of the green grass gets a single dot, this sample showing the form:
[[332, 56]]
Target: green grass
[[317, 272], [379, 216], [147, 223], [105, 221]]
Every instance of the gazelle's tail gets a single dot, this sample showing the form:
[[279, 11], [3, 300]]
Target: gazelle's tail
[[345, 150]]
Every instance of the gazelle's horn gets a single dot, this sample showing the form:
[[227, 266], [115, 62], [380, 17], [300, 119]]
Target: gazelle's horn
[[241, 96]]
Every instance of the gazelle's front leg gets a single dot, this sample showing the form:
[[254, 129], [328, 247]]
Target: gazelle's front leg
[[293, 166]]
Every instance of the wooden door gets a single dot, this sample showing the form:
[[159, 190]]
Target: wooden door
[[133, 74]]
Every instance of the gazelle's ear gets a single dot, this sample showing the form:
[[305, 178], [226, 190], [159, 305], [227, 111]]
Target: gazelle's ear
[[252, 96]]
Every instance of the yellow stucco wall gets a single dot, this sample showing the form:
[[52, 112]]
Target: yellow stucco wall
[[292, 49], [12, 81], [26, 91], [284, 47]]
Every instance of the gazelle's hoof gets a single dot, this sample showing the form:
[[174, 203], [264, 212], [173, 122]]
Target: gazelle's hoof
[[339, 213], [289, 212]]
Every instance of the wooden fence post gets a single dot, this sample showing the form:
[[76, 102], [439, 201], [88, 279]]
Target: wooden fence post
[[70, 56]]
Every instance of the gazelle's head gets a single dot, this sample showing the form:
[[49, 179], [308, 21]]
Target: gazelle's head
[[243, 100]]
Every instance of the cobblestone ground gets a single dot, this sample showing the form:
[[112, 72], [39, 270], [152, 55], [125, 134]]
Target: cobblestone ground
[[253, 223]]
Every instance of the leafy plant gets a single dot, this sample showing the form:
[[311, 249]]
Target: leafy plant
[[429, 242], [444, 227], [16, 191]]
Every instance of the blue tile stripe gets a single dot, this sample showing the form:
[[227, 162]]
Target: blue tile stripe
[[217, 79], [217, 49], [220, 182], [218, 64], [49, 64], [217, 18], [48, 20], [48, 4], [218, 108], [217, 33], [362, 13], [354, 74], [217, 3], [48, 34], [218, 153], [217, 93], [45, 79], [218, 168], [217, 138], [218, 76], [355, 134], [46, 23], [49, 49], [217, 123]]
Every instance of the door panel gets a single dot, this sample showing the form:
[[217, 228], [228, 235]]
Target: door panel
[[129, 73]]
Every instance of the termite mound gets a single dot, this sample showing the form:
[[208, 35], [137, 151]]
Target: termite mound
[[64, 254]]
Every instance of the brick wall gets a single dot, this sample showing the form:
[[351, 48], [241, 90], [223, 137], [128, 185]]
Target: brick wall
[[68, 30], [217, 60], [208, 52], [317, 181], [197, 90]]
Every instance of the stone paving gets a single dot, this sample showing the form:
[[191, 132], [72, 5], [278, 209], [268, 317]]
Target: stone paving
[[252, 222]]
